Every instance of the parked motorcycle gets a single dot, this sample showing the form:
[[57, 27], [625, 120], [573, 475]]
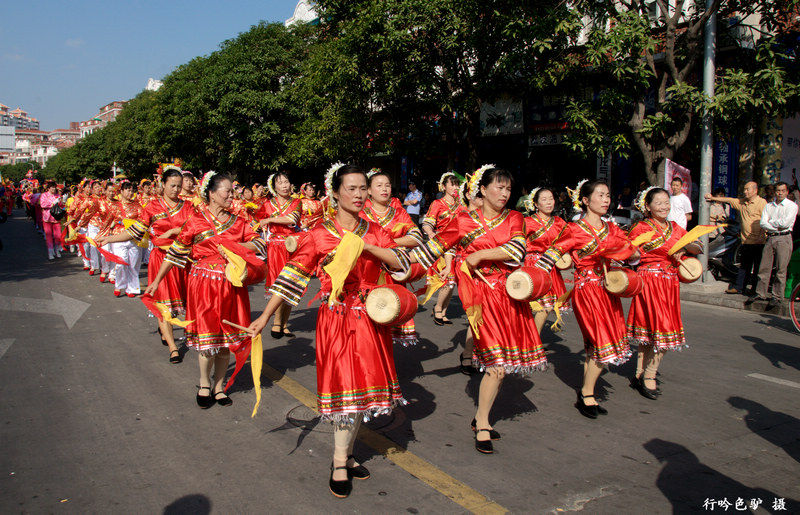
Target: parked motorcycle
[[724, 254]]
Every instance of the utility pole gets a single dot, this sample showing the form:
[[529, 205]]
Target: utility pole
[[707, 135]]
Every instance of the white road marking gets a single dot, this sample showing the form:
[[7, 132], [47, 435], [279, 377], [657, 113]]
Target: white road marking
[[775, 380], [70, 309], [5, 344]]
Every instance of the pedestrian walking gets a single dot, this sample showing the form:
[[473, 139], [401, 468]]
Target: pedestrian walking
[[51, 225], [680, 206]]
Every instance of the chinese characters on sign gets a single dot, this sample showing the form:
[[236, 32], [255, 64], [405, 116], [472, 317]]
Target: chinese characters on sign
[[726, 169]]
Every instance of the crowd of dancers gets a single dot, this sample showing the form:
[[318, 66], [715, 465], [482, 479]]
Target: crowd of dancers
[[205, 243]]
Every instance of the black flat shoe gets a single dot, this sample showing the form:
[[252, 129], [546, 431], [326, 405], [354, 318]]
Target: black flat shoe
[[277, 335], [357, 472], [635, 385], [445, 320], [340, 489], [494, 435], [587, 411], [222, 401], [177, 358], [437, 320], [287, 333], [483, 446], [207, 401], [467, 369], [646, 392]]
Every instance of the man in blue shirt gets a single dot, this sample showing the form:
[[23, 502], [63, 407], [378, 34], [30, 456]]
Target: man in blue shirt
[[413, 202]]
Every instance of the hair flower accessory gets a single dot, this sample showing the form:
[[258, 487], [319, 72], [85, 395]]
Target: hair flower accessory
[[373, 171], [530, 205], [444, 178], [204, 184], [329, 181], [639, 202], [476, 179], [271, 185], [575, 194]]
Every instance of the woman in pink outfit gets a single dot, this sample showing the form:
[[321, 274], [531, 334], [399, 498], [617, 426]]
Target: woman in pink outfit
[[51, 226]]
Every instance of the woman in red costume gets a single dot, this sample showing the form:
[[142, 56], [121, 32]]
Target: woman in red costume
[[312, 208], [493, 243], [162, 220], [441, 212], [278, 217], [592, 242], [541, 229], [379, 209], [356, 378], [126, 210], [92, 219], [472, 203], [211, 298], [75, 212], [654, 319], [107, 270]]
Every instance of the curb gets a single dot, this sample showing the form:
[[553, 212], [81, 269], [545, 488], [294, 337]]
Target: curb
[[734, 302]]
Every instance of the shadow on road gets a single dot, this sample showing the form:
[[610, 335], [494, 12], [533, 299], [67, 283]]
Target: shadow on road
[[778, 354], [195, 504], [777, 428], [688, 484], [783, 323]]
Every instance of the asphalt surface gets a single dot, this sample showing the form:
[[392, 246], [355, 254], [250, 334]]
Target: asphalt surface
[[93, 418]]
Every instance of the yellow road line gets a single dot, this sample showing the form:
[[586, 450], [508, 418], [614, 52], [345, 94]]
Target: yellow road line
[[437, 479]]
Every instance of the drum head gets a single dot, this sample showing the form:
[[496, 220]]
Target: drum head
[[401, 276], [290, 243], [616, 281], [564, 262], [383, 305], [690, 269], [519, 285]]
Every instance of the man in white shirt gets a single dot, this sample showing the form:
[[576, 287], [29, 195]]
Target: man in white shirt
[[680, 207], [777, 220]]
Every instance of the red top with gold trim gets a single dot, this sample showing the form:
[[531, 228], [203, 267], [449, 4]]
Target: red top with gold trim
[[356, 376], [311, 213], [539, 235], [277, 255], [441, 213], [124, 210]]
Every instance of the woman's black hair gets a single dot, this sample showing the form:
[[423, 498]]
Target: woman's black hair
[[494, 174], [650, 195], [126, 186], [50, 184], [587, 189], [539, 192], [214, 183], [451, 179], [377, 174], [247, 188], [341, 172], [169, 174]]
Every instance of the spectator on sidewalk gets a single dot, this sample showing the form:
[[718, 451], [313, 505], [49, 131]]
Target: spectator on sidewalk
[[413, 202], [752, 235], [680, 210], [718, 213], [777, 221]]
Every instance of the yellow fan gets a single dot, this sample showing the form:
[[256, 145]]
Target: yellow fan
[[691, 236]]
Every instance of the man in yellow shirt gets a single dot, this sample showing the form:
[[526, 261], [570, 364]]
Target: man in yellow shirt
[[751, 233]]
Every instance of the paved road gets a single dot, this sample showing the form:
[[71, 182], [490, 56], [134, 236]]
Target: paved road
[[94, 419]]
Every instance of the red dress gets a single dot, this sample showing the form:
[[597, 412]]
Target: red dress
[[655, 314], [277, 255], [599, 313], [398, 223], [210, 297], [507, 337], [311, 214], [539, 235], [157, 219], [355, 365], [439, 215]]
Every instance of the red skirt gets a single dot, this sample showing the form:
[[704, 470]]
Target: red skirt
[[548, 300], [600, 318], [212, 299], [355, 365], [277, 257], [507, 337], [655, 314], [172, 289]]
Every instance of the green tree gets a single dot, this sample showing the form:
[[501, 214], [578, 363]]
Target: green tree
[[127, 137], [17, 172], [400, 75], [642, 60]]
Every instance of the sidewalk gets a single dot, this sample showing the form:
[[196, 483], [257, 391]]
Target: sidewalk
[[713, 293]]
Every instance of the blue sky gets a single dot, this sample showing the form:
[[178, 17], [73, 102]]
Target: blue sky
[[61, 61]]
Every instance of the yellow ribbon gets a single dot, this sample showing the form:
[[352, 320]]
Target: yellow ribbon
[[691, 236], [558, 324], [256, 361], [167, 315], [235, 268], [643, 238], [474, 312], [344, 260], [434, 281]]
